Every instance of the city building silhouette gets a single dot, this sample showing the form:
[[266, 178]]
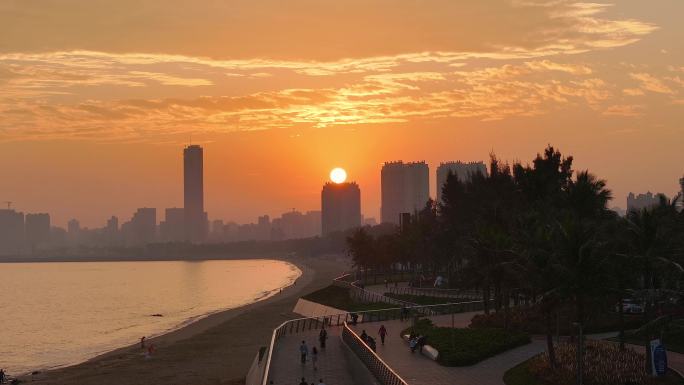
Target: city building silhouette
[[37, 230], [11, 232], [340, 207], [196, 226], [405, 188], [463, 170]]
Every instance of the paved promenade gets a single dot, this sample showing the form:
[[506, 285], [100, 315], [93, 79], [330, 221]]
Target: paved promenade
[[337, 365], [417, 369]]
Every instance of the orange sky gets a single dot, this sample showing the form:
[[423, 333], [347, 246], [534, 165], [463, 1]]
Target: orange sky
[[97, 98]]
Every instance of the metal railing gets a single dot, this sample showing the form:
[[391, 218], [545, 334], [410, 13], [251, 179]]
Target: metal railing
[[314, 323], [436, 292], [382, 372]]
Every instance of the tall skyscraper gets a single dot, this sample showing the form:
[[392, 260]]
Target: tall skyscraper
[[340, 207], [37, 230], [681, 192], [11, 231], [405, 188], [196, 226], [462, 170]]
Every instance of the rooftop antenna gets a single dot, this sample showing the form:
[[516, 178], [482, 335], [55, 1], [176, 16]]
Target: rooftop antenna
[[9, 204]]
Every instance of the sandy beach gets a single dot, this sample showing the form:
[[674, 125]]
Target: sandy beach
[[217, 349]]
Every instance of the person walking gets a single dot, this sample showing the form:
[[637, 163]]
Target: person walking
[[303, 351], [314, 357], [382, 333], [322, 336]]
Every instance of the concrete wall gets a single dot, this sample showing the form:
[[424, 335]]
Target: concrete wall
[[312, 309]]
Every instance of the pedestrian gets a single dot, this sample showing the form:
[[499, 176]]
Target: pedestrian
[[382, 333], [320, 382], [304, 351], [322, 336], [371, 343], [142, 343], [402, 313], [2, 376], [303, 382], [364, 336], [413, 342], [314, 357], [422, 340]]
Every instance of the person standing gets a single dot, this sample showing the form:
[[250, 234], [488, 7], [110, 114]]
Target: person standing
[[2, 376], [142, 343], [322, 336], [303, 351], [314, 357], [382, 333]]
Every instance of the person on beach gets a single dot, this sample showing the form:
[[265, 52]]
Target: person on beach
[[314, 357], [322, 336], [142, 343], [303, 351], [382, 333]]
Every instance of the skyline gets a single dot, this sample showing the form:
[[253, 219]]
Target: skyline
[[94, 115]]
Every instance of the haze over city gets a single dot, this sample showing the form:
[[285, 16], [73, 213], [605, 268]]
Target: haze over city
[[316, 192], [95, 114]]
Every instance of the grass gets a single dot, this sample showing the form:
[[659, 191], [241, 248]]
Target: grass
[[521, 375], [339, 298], [424, 299], [463, 347]]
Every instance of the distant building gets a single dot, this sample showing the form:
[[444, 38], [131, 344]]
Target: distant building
[[297, 225], [369, 222], [462, 170], [196, 224], [111, 231], [340, 207], [37, 230], [172, 229], [142, 228], [11, 232], [74, 231], [641, 201], [405, 188], [681, 192]]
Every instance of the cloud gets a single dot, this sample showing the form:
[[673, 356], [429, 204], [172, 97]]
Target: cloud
[[313, 30], [649, 82]]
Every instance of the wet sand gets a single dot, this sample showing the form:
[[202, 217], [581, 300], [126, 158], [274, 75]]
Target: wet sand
[[217, 349]]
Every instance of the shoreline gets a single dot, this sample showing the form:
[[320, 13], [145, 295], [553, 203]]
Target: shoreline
[[187, 323], [127, 364]]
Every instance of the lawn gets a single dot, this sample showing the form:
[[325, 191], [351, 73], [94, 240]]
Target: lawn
[[463, 347], [339, 298]]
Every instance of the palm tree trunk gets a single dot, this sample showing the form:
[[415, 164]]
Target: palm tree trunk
[[549, 340]]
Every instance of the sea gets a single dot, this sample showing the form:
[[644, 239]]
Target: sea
[[63, 313]]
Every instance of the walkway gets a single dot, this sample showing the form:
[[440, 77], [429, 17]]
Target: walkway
[[417, 369], [337, 365]]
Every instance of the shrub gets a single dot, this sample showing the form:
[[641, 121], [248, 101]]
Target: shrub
[[462, 347]]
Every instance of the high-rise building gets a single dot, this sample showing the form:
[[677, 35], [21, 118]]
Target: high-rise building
[[196, 226], [641, 201], [111, 231], [11, 231], [405, 188], [172, 229], [37, 230], [74, 231], [681, 192], [462, 170], [340, 207]]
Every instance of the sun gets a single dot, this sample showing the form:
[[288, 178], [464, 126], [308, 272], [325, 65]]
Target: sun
[[338, 175]]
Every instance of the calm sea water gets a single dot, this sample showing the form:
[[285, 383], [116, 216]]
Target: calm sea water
[[55, 314]]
